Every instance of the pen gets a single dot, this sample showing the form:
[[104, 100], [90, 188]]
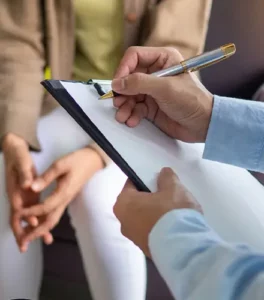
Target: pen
[[192, 64]]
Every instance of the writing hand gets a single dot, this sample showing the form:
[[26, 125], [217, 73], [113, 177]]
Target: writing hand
[[180, 105]]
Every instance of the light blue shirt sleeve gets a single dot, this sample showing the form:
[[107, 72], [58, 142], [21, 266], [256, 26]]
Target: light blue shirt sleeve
[[197, 265], [194, 261], [236, 133]]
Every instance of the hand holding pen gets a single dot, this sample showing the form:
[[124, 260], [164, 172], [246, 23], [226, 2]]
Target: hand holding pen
[[190, 65], [179, 105]]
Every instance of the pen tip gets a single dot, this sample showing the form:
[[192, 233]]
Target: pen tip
[[107, 95]]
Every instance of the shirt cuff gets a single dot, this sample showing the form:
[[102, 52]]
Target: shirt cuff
[[175, 238], [176, 221], [236, 133]]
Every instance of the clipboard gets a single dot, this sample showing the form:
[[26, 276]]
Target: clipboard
[[60, 94], [142, 151]]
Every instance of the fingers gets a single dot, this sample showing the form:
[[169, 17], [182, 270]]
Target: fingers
[[24, 167], [119, 101], [123, 197], [46, 207], [150, 58], [167, 179], [125, 111], [19, 230], [63, 194], [134, 57], [18, 158], [139, 112], [138, 83], [50, 221], [14, 194], [46, 236], [57, 169], [15, 223], [259, 95], [32, 221]]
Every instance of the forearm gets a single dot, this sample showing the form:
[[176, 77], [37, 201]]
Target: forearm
[[103, 156], [197, 264], [236, 133]]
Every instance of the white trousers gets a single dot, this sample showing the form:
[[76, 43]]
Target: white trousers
[[114, 266]]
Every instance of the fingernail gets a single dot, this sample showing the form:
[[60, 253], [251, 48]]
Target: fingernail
[[34, 222], [118, 84], [36, 186], [24, 248], [166, 170]]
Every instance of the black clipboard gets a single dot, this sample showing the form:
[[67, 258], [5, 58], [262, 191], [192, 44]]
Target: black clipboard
[[60, 94]]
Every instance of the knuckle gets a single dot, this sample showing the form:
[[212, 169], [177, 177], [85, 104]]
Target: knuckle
[[123, 231], [57, 166], [171, 50], [49, 224], [47, 208], [132, 49], [116, 209], [171, 174], [137, 78], [174, 54]]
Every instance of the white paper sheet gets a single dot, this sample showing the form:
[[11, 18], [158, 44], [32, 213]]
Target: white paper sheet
[[233, 201]]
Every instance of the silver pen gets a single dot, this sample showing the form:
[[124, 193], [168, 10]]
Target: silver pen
[[192, 64]]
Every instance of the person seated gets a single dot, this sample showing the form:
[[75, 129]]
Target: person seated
[[41, 144]]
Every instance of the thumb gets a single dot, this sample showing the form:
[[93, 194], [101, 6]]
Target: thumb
[[167, 179], [138, 83], [52, 173]]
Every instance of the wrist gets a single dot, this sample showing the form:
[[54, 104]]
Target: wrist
[[96, 159], [207, 102], [105, 159], [11, 139]]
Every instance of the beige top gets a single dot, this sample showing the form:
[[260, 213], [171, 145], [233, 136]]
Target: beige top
[[181, 24]]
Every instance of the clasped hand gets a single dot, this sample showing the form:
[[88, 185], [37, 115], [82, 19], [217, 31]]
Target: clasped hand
[[24, 186]]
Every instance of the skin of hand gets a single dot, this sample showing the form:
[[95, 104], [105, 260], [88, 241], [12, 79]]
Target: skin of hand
[[70, 172], [20, 173], [259, 95], [138, 212], [179, 105]]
